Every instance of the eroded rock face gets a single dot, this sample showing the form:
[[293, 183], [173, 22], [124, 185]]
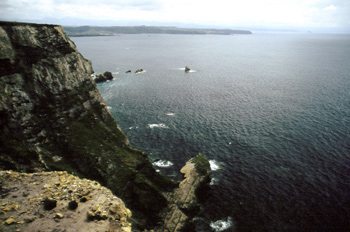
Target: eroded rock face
[[53, 117], [41, 202]]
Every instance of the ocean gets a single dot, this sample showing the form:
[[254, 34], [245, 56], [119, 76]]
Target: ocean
[[271, 111]]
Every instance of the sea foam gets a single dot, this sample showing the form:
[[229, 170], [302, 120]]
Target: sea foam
[[222, 225], [163, 163], [214, 165], [160, 125]]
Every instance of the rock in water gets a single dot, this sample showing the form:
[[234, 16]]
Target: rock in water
[[187, 69], [139, 71], [183, 201], [106, 76]]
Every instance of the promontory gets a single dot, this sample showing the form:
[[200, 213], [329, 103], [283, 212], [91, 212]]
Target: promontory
[[55, 126]]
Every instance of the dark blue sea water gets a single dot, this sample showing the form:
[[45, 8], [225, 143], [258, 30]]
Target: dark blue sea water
[[271, 112]]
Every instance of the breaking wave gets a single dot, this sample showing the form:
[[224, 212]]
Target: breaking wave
[[160, 125], [222, 225], [163, 163], [214, 165]]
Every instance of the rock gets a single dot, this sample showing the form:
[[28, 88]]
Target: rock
[[29, 219], [139, 71], [187, 69], [129, 71], [49, 204], [183, 201], [58, 216], [10, 221], [106, 76], [72, 205]]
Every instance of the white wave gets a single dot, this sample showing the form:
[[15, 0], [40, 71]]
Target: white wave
[[191, 70], [116, 73], [221, 225], [161, 125], [109, 107], [163, 163], [133, 127], [213, 181], [170, 114], [214, 165]]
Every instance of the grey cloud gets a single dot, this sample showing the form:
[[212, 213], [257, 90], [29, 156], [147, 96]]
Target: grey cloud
[[121, 4]]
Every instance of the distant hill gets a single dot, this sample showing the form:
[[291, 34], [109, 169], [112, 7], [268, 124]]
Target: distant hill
[[109, 31]]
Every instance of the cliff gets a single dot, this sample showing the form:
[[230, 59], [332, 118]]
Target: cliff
[[54, 118]]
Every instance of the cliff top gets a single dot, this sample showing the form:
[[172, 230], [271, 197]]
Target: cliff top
[[57, 201], [11, 23]]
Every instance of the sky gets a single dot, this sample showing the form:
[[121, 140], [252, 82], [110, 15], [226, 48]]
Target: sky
[[331, 15]]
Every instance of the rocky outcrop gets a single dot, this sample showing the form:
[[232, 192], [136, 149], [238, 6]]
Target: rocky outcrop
[[57, 201], [183, 201], [53, 117], [139, 71], [103, 77]]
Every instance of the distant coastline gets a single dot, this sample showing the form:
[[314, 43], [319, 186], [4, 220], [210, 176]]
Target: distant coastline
[[115, 30]]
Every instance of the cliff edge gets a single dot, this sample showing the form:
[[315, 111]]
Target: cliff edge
[[54, 118]]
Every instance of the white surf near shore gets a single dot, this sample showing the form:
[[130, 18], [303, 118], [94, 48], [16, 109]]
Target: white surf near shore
[[214, 165], [163, 163], [222, 225]]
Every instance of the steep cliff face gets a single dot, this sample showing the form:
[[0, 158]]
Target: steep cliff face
[[54, 118]]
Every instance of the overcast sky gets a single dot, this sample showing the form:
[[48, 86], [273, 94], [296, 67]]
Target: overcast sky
[[304, 14]]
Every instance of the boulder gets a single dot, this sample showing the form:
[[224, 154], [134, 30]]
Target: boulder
[[187, 69], [139, 71]]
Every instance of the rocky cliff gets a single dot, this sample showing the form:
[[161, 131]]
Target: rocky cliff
[[54, 118], [183, 203]]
